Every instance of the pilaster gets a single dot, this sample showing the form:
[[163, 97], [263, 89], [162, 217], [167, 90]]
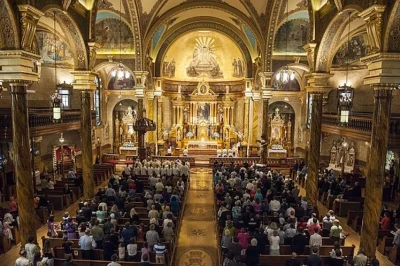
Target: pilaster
[[373, 20], [266, 95]]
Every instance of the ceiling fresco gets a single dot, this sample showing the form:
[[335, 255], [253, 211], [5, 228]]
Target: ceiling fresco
[[202, 55]]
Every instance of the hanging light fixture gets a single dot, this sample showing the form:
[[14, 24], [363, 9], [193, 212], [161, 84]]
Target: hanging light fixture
[[120, 72], [56, 97], [285, 75], [346, 92]]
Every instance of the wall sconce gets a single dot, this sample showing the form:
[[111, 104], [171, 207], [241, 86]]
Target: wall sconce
[[98, 140]]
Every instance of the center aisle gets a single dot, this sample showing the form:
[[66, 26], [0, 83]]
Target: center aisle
[[197, 239]]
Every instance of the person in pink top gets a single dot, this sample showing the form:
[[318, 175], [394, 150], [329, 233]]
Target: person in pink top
[[12, 205], [314, 224], [257, 206], [244, 237]]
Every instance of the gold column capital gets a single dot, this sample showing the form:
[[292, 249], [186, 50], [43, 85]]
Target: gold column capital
[[29, 17], [83, 80], [310, 49], [383, 68], [318, 82], [265, 79], [19, 65], [140, 82], [373, 18], [93, 47]]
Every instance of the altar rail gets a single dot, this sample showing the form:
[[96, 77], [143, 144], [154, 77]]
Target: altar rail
[[287, 162], [117, 157], [191, 160]]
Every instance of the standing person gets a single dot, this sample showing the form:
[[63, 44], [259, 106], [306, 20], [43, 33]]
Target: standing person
[[152, 236], [360, 259], [253, 253], [68, 262], [336, 230], [160, 250], [293, 261], [314, 259], [244, 237], [114, 261], [315, 240], [299, 242], [22, 260], [121, 252], [87, 244], [132, 250], [67, 246], [274, 241], [97, 234], [32, 250]]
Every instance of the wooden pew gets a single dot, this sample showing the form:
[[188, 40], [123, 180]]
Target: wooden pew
[[384, 244], [323, 250], [273, 260], [393, 255], [59, 262], [352, 215]]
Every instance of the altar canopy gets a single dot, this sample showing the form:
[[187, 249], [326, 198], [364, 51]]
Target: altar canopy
[[280, 140]]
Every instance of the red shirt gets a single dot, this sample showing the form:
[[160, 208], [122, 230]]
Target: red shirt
[[385, 223], [12, 205]]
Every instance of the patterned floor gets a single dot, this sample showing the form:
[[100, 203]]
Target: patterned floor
[[197, 240]]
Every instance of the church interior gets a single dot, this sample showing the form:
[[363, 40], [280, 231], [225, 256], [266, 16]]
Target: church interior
[[209, 129]]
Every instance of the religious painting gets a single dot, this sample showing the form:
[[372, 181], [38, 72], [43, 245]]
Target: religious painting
[[52, 50], [203, 55], [203, 112], [108, 33], [119, 84], [292, 36], [351, 51], [168, 68]]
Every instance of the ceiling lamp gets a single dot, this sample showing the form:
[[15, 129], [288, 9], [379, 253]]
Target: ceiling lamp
[[345, 92], [285, 75], [120, 72], [56, 97]]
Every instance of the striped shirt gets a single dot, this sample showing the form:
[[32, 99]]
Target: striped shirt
[[159, 249]]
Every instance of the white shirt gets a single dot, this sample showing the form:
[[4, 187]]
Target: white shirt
[[132, 249], [316, 240], [50, 185], [21, 261], [274, 205], [274, 242], [113, 263]]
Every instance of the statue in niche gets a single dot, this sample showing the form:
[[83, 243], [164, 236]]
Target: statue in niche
[[168, 68], [226, 134], [186, 114], [237, 67], [179, 135], [220, 114]]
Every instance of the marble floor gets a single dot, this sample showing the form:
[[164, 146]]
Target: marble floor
[[197, 239]]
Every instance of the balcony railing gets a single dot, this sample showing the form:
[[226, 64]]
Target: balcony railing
[[361, 122]]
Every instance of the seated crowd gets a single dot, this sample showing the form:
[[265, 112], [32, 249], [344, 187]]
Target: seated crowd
[[262, 214], [133, 219]]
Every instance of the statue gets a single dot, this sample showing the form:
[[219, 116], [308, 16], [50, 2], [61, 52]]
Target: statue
[[186, 114], [178, 135]]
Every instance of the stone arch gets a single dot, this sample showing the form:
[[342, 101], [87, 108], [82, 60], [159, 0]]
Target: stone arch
[[331, 37], [8, 27], [196, 25], [392, 32], [133, 9], [73, 33]]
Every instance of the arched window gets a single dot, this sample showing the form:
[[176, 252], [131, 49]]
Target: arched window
[[97, 100]]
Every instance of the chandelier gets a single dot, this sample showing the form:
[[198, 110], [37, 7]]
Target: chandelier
[[285, 75], [120, 72]]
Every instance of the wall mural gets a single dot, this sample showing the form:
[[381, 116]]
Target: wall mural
[[198, 55], [357, 49], [297, 33], [108, 33], [62, 52]]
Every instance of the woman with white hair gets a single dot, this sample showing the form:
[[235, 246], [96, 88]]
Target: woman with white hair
[[253, 253]]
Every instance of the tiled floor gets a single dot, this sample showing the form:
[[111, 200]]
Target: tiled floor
[[197, 241]]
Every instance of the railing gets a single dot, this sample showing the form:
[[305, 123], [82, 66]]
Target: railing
[[189, 159], [275, 162], [361, 121], [40, 117]]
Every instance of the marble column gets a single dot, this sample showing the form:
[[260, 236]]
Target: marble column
[[159, 118], [374, 184], [87, 151], [22, 160], [265, 135], [246, 119], [315, 145]]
